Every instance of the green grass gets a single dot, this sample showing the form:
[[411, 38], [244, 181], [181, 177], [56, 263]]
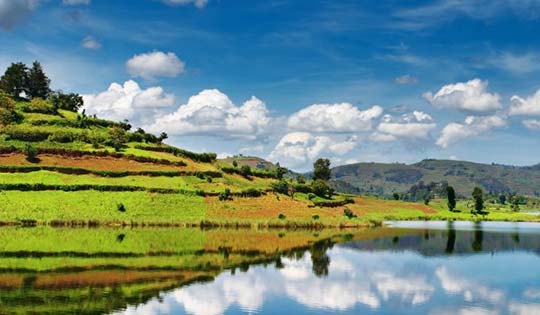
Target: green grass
[[92, 205]]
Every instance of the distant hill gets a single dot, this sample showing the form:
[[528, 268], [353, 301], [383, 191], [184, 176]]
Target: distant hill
[[385, 179]]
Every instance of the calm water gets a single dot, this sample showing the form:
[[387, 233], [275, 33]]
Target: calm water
[[412, 268]]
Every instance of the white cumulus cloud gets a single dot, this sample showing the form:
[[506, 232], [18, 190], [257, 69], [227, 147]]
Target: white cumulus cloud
[[155, 64], [529, 106], [415, 125], [126, 101], [472, 127], [343, 117], [212, 113], [299, 148], [471, 96]]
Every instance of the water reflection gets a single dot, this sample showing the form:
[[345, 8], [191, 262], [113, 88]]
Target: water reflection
[[427, 268], [414, 272]]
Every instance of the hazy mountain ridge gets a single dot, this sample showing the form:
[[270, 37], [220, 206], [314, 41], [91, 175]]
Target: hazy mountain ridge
[[387, 178]]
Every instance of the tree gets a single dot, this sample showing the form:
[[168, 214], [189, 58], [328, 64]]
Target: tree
[[72, 101], [300, 179], [38, 82], [162, 137], [15, 79], [234, 163], [117, 138], [31, 153], [478, 196], [280, 171], [515, 204], [396, 196], [451, 194], [502, 199], [321, 170]]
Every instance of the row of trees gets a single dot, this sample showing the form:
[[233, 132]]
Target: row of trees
[[20, 81]]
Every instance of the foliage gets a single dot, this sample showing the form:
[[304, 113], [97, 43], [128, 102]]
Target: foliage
[[120, 207], [39, 105], [8, 114], [321, 170], [15, 79], [117, 138], [281, 187], [30, 152], [396, 196], [349, 214], [321, 189], [281, 216], [199, 157], [515, 204], [478, 196], [300, 179], [38, 82], [68, 101], [280, 171], [225, 195], [451, 196], [245, 171]]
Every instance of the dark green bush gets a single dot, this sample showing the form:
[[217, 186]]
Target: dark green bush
[[281, 216], [31, 153], [120, 207], [349, 214], [281, 187], [225, 195]]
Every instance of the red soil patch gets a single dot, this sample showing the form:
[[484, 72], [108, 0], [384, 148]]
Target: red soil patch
[[86, 162], [265, 208], [105, 278]]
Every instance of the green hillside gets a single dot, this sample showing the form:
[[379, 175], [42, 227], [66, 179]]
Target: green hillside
[[59, 166], [385, 179]]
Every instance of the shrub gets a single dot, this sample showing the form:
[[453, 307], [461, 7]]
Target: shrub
[[281, 216], [245, 171], [395, 196], [8, 115], [72, 101], [349, 214], [39, 105], [281, 187], [62, 136], [302, 188], [311, 196], [26, 134], [251, 192], [315, 217], [321, 189], [120, 207], [31, 152], [225, 195]]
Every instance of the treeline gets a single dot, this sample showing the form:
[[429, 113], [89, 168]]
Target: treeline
[[83, 171], [247, 172], [251, 192], [21, 81], [199, 157]]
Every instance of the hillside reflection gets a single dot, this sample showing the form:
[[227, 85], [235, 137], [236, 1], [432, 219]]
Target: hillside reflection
[[412, 272]]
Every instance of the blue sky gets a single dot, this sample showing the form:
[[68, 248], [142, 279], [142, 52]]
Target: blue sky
[[388, 81]]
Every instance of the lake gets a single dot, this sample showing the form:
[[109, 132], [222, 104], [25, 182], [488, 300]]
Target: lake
[[405, 268]]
